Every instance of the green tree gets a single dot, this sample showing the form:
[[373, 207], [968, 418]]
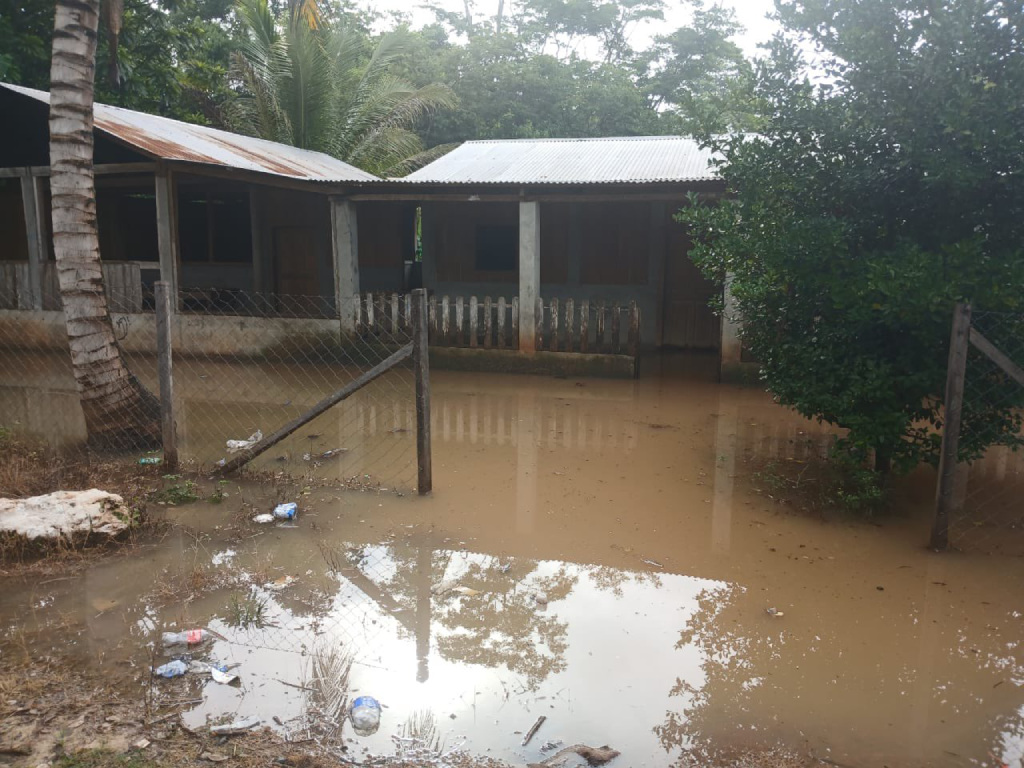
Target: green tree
[[876, 195], [323, 86]]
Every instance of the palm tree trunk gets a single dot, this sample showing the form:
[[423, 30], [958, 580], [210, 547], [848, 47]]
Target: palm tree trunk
[[119, 412]]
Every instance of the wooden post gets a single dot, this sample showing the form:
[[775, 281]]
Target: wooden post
[[515, 320], [446, 322], [554, 325], [538, 316], [945, 493], [634, 329], [421, 369], [570, 311], [394, 314], [501, 322], [599, 339], [431, 317], [163, 347], [474, 314], [459, 317], [167, 230], [345, 254], [584, 325], [616, 335], [488, 327], [371, 314]]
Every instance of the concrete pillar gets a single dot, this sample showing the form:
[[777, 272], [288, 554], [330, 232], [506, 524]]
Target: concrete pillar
[[529, 274], [732, 347], [36, 232], [167, 232], [345, 246]]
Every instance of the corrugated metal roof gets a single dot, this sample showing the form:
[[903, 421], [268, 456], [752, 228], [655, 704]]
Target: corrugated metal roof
[[627, 160], [168, 139]]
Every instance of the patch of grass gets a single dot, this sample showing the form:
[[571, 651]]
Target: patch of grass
[[102, 758], [248, 612], [825, 485], [178, 492]]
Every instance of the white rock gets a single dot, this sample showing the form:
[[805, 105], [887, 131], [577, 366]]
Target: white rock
[[63, 513]]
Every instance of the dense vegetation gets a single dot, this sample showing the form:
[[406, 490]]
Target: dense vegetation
[[884, 185]]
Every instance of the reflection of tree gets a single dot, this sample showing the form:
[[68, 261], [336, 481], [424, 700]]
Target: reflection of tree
[[500, 626], [726, 661], [504, 625], [613, 579]]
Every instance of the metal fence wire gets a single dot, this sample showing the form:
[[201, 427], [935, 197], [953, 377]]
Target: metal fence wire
[[244, 365], [987, 514]]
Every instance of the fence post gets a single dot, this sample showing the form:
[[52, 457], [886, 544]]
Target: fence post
[[421, 370], [945, 493], [163, 351]]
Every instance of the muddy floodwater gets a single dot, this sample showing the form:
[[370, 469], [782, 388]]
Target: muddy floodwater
[[607, 554]]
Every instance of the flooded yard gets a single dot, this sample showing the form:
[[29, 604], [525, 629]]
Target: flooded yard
[[607, 554]]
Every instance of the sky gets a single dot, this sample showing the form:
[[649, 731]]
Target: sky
[[750, 13]]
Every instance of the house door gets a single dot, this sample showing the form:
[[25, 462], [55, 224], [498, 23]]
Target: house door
[[295, 267], [688, 322]]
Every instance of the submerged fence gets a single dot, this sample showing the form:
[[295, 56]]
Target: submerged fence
[[563, 325], [980, 495]]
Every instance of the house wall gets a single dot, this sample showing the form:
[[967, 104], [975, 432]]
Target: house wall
[[13, 241], [306, 214], [612, 251]]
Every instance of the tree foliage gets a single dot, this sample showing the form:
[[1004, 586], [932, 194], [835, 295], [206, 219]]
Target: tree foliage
[[319, 85], [874, 198]]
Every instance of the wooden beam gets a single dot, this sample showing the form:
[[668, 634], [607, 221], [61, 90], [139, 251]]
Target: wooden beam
[[421, 371], [103, 169], [164, 315], [250, 453], [993, 353], [945, 493]]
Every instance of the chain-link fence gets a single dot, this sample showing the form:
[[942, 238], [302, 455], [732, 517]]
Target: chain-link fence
[[244, 366], [984, 493]]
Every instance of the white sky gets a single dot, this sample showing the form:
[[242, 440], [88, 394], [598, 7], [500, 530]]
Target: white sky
[[750, 13]]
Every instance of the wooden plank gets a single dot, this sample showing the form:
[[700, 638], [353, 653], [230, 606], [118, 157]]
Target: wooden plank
[[474, 313], [515, 321], [459, 322], [163, 291], [382, 313], [501, 322], [446, 326], [553, 344], [488, 322], [23, 294], [8, 286], [407, 324], [432, 319], [616, 320], [248, 454], [570, 318], [371, 314], [599, 327], [584, 325], [634, 329], [421, 371], [539, 318], [394, 314], [993, 353], [946, 490]]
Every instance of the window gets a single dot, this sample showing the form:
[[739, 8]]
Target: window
[[497, 248], [213, 225]]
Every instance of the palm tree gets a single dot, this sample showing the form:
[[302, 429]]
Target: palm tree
[[305, 83], [118, 411]]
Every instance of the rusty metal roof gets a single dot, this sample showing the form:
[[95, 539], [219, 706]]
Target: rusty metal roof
[[627, 160], [166, 139]]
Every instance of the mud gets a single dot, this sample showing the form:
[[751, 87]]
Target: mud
[[627, 573]]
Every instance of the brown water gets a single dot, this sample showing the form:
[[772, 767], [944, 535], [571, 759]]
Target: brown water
[[635, 509]]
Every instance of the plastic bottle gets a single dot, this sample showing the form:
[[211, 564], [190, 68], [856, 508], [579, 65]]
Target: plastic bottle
[[365, 715], [175, 668], [189, 637], [286, 511]]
